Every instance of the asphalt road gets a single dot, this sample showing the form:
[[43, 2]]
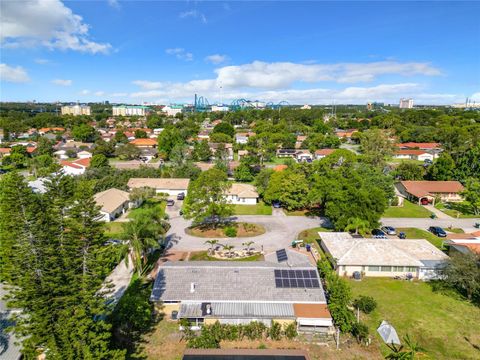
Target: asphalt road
[[424, 223]]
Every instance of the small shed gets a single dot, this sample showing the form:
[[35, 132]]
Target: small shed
[[388, 333]]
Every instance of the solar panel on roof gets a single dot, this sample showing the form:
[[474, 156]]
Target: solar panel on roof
[[315, 283], [277, 273], [282, 255], [296, 279]]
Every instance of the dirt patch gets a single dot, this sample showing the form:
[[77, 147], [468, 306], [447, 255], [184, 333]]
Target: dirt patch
[[243, 230]]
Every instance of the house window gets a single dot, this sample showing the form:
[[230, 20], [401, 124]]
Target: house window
[[398, 268], [386, 268], [374, 268], [411, 269]]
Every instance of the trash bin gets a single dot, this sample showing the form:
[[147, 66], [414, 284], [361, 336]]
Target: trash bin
[[402, 235], [308, 247], [294, 244]]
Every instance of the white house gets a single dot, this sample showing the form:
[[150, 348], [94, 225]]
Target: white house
[[413, 154], [303, 156], [76, 167], [172, 110], [321, 153], [382, 257], [113, 203], [168, 186], [61, 154], [242, 194], [84, 154]]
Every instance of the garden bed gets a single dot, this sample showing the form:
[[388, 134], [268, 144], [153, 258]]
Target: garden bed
[[243, 230], [204, 256]]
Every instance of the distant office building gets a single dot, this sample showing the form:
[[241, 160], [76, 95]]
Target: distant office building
[[406, 103], [76, 110], [130, 110], [172, 110], [220, 108]]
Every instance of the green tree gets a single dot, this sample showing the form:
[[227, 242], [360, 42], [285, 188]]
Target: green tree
[[472, 194], [360, 226], [224, 128], [376, 147], [463, 273], [290, 188], [167, 140], [98, 162], [262, 179], [128, 152], [84, 132], [45, 146], [120, 137], [206, 198], [201, 151], [409, 171], [212, 244], [140, 134], [243, 173], [443, 169], [43, 165], [220, 138]]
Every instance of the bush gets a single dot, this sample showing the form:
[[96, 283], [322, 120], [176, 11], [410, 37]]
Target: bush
[[291, 331], [275, 331], [231, 231], [365, 303], [360, 331]]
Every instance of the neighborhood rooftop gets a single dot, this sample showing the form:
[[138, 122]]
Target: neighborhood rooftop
[[156, 183], [422, 188]]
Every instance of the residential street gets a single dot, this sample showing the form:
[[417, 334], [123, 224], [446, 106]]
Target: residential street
[[423, 223]]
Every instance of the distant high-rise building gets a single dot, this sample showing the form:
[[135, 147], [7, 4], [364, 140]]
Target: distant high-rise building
[[130, 110], [406, 103], [76, 110]]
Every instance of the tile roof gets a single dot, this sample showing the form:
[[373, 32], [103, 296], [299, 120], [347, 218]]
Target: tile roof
[[325, 152], [144, 142], [410, 152], [162, 183], [422, 188], [347, 250], [243, 190], [111, 199], [227, 281], [419, 145]]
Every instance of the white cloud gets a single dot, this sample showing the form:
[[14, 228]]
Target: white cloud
[[114, 4], [180, 53], [13, 74], [85, 92], [193, 14], [42, 61], [62, 82], [99, 93], [278, 75], [45, 23], [475, 97], [216, 59]]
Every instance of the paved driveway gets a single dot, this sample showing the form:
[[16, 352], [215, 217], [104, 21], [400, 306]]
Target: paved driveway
[[280, 231], [424, 223]]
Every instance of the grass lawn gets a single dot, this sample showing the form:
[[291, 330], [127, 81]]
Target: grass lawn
[[276, 161], [150, 203], [243, 230], [303, 212], [310, 236], [203, 256], [444, 326], [259, 209], [408, 210], [457, 210], [113, 229], [414, 233]]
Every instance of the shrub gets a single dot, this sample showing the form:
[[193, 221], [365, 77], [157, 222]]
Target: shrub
[[360, 331], [365, 303], [230, 231], [275, 331], [291, 331], [254, 330]]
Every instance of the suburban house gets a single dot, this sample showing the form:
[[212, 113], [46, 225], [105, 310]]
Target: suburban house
[[284, 288], [144, 143], [242, 138], [321, 153], [382, 257], [113, 203], [241, 154], [413, 154], [170, 186], [84, 154], [303, 156], [76, 167], [299, 141], [286, 153], [425, 192], [242, 194], [421, 146], [214, 147], [345, 134]]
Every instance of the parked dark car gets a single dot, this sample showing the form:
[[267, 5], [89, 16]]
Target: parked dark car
[[378, 233], [389, 230], [276, 204], [437, 230], [181, 196], [170, 202]]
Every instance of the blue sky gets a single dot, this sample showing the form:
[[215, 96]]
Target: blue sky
[[302, 52]]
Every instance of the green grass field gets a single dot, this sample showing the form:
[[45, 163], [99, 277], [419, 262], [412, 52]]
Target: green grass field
[[310, 236], [113, 229], [408, 210], [445, 326], [414, 233], [150, 203], [457, 210], [259, 209]]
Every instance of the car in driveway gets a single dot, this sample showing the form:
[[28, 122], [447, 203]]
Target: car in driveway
[[377, 233], [437, 230], [276, 204], [181, 196], [170, 202], [389, 230]]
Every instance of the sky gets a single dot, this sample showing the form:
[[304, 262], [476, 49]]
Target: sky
[[302, 52]]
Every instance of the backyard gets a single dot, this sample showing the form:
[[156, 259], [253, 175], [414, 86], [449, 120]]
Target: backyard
[[408, 210], [445, 326], [259, 209], [157, 203]]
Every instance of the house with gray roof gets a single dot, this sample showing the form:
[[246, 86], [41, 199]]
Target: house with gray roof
[[283, 288], [417, 258]]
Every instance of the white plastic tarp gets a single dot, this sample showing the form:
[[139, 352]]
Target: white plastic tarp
[[388, 333]]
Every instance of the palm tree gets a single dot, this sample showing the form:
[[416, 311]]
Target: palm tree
[[228, 249], [212, 243], [248, 244], [141, 237], [357, 224]]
